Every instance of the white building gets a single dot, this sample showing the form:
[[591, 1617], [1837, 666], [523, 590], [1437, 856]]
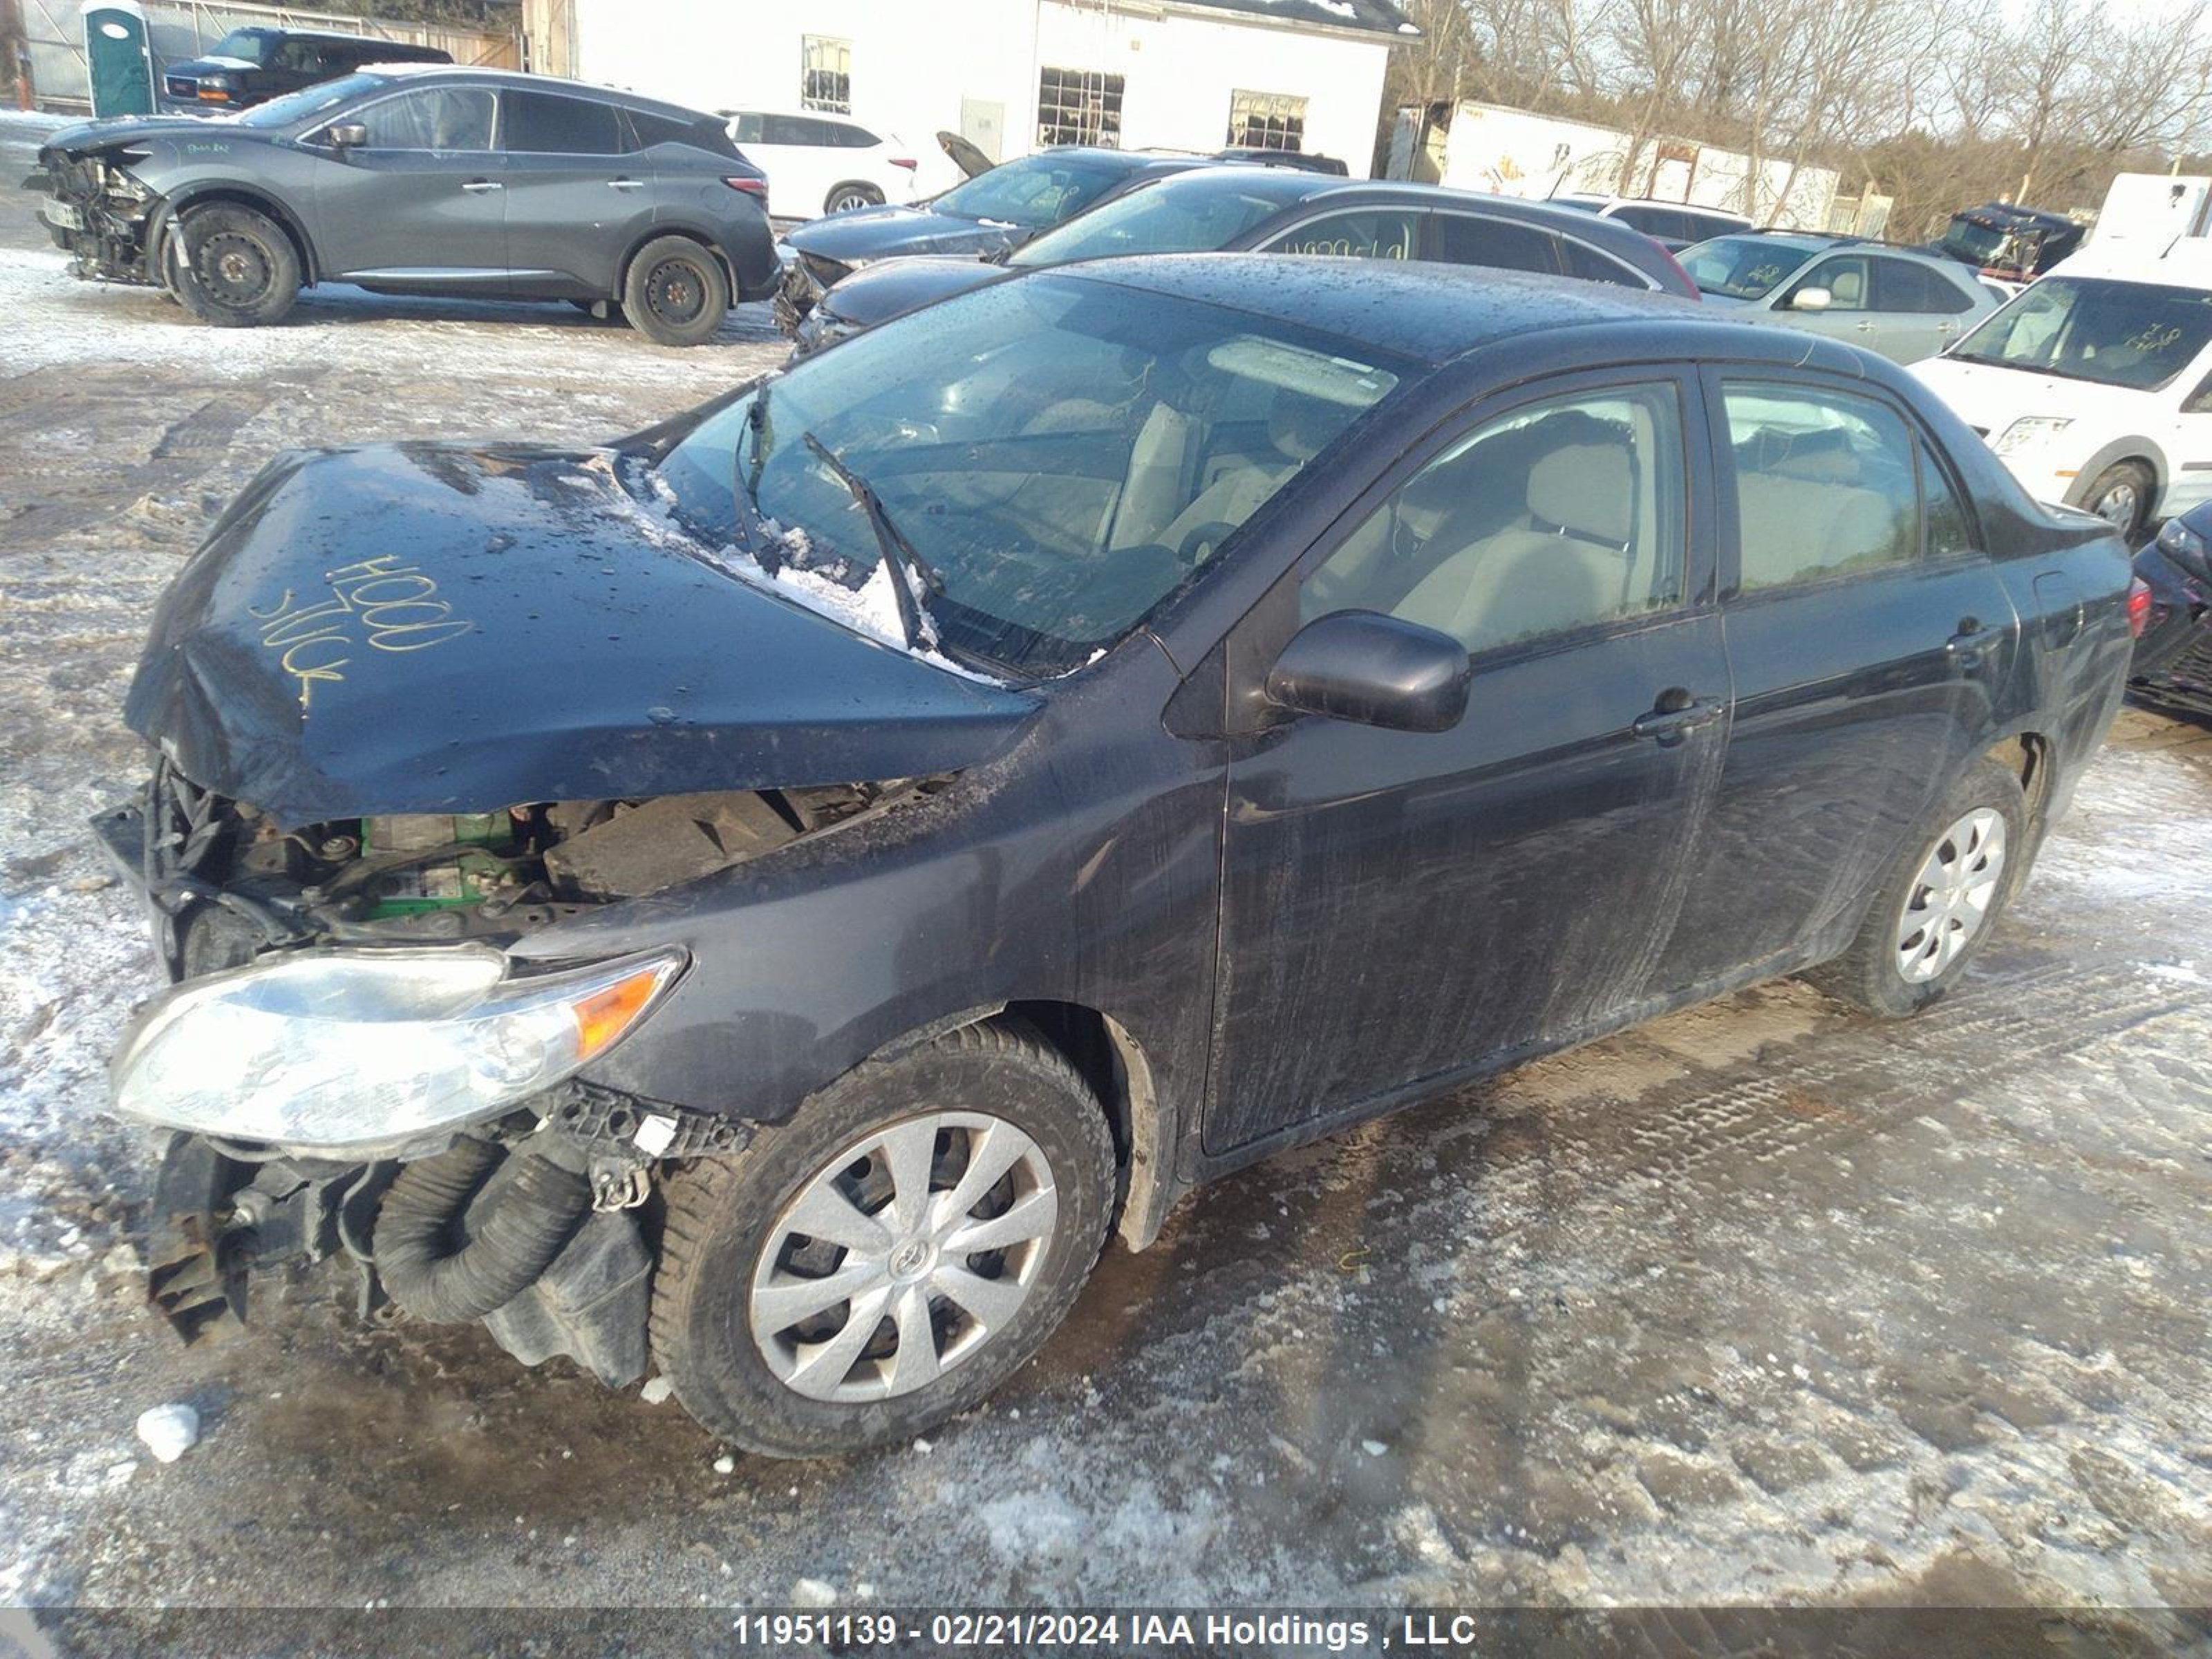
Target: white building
[[1011, 76], [1513, 152]]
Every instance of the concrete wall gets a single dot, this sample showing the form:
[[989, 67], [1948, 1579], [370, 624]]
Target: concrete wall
[[914, 68]]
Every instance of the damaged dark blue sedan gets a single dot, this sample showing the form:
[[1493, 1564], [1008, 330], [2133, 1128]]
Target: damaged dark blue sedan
[[765, 899]]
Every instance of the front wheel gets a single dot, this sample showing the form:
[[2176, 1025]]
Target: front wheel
[[2120, 495], [889, 1255], [1936, 903], [676, 293], [239, 269]]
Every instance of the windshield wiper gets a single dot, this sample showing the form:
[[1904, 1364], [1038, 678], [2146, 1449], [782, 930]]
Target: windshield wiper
[[900, 560], [745, 482]]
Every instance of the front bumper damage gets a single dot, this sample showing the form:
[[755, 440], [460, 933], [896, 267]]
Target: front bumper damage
[[98, 213], [806, 277], [430, 1228]]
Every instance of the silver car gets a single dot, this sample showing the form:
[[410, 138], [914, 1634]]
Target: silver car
[[1907, 306]]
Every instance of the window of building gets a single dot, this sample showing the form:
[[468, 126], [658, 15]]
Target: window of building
[[1078, 106], [825, 74], [1266, 120]]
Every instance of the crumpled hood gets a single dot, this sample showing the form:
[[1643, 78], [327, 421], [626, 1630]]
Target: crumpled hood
[[883, 233], [438, 628], [898, 286]]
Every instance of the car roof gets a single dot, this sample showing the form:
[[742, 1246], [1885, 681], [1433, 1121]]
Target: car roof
[[1428, 312], [520, 81]]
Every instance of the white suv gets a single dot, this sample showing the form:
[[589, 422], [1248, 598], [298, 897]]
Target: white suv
[[819, 164], [2094, 385]]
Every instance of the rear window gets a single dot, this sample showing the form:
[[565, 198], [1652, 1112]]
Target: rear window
[[543, 124], [1592, 266]]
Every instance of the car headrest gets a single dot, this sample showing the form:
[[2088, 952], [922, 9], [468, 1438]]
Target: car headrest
[[1587, 489]]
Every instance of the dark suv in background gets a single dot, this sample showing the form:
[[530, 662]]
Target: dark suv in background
[[424, 181], [250, 66]]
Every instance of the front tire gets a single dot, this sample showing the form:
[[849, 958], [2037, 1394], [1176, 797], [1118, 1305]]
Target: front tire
[[889, 1255], [240, 268], [676, 293], [2120, 495], [1936, 903]]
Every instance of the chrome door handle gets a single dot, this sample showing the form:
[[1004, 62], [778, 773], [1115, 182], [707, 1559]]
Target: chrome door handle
[[477, 186], [625, 184], [1866, 328], [1671, 724]]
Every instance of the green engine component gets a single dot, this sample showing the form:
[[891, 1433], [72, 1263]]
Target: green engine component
[[453, 885]]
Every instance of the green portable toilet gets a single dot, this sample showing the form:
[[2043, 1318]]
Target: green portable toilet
[[118, 58]]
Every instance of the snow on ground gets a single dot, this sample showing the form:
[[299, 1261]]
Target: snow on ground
[[1761, 1302]]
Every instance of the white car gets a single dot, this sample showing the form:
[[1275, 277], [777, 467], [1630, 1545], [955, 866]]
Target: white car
[[819, 164], [2094, 385]]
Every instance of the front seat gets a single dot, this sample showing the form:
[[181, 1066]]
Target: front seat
[[1567, 565], [1297, 429]]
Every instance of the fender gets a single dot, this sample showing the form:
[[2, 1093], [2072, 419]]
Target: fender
[[2135, 448]]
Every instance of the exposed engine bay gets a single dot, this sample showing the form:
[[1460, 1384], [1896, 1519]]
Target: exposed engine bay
[[100, 213], [229, 881]]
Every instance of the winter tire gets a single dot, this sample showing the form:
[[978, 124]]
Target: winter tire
[[845, 198], [1936, 903], [241, 268], [889, 1255], [676, 293], [2120, 495]]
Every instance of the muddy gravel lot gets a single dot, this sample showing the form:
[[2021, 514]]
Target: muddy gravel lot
[[1762, 1303]]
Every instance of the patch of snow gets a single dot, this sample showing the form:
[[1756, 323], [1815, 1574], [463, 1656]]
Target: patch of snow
[[813, 1593], [657, 1391]]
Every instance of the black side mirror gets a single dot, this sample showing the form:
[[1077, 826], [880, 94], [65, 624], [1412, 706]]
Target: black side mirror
[[347, 134], [1373, 670]]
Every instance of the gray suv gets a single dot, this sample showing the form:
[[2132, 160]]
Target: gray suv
[[424, 181], [1902, 304]]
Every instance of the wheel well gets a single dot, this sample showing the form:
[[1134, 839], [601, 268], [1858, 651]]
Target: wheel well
[[659, 232], [263, 204], [1114, 1066]]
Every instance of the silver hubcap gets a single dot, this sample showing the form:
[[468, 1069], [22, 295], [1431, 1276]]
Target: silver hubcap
[[1951, 896], [902, 1256], [2118, 505]]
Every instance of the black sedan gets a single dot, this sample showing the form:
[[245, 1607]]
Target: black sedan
[[1277, 211], [422, 181], [2173, 657], [770, 897], [993, 213]]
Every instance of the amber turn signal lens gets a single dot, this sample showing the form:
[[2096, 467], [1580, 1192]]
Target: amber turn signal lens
[[606, 1015]]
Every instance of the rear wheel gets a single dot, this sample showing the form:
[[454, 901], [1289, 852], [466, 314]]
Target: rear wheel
[[889, 1256], [676, 293], [239, 268], [846, 197], [1937, 901], [2120, 495]]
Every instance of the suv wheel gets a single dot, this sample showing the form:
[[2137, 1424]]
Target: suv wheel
[[2120, 495], [676, 293], [891, 1255], [241, 268], [1936, 903], [845, 198]]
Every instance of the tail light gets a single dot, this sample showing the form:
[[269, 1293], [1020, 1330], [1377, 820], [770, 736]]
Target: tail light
[[2138, 607], [902, 161], [755, 188]]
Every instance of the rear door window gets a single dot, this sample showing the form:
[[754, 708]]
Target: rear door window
[[546, 123], [1465, 239], [1827, 484], [1592, 266]]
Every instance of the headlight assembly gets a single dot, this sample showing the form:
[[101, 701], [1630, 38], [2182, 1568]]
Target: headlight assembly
[[2028, 430], [344, 1050]]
